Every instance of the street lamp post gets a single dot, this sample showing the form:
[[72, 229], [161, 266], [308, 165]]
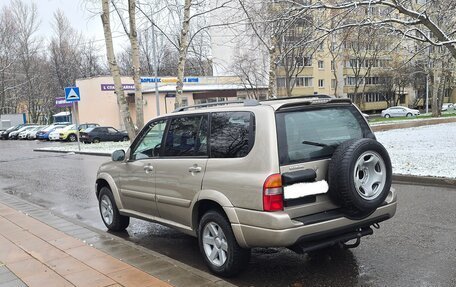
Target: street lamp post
[[427, 93]]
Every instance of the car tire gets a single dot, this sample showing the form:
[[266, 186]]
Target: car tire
[[215, 236], [109, 212], [125, 139], [359, 176], [96, 140], [408, 115], [387, 116], [72, 138]]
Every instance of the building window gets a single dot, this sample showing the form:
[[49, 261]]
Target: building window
[[333, 66], [304, 81], [320, 64], [321, 83], [333, 83]]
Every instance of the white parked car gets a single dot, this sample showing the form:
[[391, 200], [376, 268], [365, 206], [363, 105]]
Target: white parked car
[[399, 111], [55, 134], [447, 106]]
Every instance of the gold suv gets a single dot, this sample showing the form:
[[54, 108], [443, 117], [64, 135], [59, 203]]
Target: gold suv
[[302, 173]]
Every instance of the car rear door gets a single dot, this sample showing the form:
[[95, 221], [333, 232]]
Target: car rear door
[[137, 175], [179, 172]]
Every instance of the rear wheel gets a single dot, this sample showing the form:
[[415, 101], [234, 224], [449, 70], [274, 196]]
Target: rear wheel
[[387, 116], [109, 212], [219, 247]]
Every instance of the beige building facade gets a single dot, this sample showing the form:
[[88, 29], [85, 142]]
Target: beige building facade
[[98, 102]]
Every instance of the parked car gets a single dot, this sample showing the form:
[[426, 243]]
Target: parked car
[[399, 111], [31, 134], [447, 106], [5, 134], [99, 134], [44, 133], [23, 135], [298, 173], [69, 133], [55, 134], [14, 135]]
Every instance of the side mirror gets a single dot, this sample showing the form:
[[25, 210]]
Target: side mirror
[[118, 155]]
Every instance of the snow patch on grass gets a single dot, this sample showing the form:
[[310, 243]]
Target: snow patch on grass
[[422, 151]]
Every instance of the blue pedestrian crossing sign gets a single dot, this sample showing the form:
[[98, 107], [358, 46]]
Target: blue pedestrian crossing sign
[[72, 94]]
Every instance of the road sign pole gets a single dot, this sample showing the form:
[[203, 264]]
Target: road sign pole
[[75, 117]]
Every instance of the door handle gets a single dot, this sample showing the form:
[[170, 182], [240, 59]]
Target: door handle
[[194, 168], [148, 168]]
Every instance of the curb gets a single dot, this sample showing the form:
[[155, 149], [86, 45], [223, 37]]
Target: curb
[[102, 241], [76, 152], [425, 180], [412, 124]]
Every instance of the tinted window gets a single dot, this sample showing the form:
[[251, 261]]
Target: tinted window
[[149, 145], [232, 134], [305, 135], [89, 130], [187, 136], [112, 130]]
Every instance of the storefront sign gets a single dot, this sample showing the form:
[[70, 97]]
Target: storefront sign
[[168, 80], [111, 87], [61, 103]]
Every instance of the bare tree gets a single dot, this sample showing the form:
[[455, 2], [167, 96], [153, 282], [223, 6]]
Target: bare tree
[[121, 99], [183, 47]]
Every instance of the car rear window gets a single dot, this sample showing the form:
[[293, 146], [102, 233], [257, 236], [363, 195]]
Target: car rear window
[[314, 133], [89, 130], [232, 134]]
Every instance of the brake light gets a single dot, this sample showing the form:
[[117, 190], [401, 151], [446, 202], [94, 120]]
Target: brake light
[[273, 193]]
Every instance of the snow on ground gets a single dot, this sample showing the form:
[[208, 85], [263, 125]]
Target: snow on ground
[[422, 151], [103, 147]]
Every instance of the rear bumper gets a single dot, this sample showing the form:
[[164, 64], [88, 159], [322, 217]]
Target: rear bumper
[[299, 232]]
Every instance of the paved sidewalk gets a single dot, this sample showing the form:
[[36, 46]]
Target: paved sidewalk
[[38, 248]]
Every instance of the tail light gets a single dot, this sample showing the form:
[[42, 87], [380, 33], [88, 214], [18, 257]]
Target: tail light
[[273, 193]]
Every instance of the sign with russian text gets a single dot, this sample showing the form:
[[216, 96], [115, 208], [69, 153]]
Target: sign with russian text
[[111, 87], [62, 103]]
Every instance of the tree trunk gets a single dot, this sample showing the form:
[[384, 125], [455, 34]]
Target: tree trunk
[[183, 47], [136, 65], [435, 95], [273, 54], [121, 100]]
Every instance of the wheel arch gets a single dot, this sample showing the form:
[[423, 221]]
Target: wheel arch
[[105, 180], [215, 200]]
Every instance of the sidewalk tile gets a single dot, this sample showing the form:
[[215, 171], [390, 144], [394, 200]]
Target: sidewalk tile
[[66, 242], [89, 278], [34, 273], [10, 253], [83, 253], [106, 264], [133, 277], [66, 265]]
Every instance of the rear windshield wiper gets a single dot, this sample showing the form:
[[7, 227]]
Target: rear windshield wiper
[[315, 144]]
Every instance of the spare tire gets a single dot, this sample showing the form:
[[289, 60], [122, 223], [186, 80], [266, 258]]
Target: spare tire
[[359, 176]]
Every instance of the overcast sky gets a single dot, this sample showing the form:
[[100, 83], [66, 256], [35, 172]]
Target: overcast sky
[[81, 15]]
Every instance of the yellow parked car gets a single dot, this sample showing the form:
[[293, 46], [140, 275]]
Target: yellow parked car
[[69, 133]]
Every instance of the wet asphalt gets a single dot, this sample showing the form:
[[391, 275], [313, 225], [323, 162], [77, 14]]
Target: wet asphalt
[[415, 248]]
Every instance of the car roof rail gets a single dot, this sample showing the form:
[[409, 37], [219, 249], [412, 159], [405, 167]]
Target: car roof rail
[[319, 96], [247, 103]]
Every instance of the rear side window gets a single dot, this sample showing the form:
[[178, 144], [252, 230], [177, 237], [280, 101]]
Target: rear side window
[[187, 136], [232, 134], [310, 134]]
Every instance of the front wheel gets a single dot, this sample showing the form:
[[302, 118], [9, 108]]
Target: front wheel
[[110, 215], [96, 140], [125, 139], [72, 138], [408, 115], [219, 247], [387, 116]]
